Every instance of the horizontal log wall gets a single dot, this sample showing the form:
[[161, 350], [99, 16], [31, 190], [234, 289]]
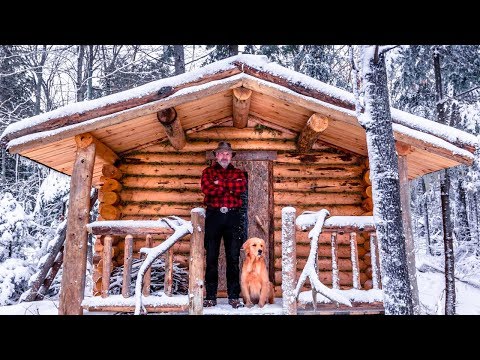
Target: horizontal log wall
[[160, 181]]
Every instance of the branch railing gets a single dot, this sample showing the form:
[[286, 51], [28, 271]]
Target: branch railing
[[317, 222], [174, 229]]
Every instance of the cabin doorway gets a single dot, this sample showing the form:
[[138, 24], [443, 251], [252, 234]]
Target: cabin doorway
[[258, 219]]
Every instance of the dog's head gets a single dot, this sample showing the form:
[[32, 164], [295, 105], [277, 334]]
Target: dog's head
[[254, 247]]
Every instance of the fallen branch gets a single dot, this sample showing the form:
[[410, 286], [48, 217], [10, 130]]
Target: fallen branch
[[429, 267]]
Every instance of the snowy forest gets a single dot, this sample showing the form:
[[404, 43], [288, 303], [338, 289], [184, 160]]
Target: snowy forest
[[438, 82]]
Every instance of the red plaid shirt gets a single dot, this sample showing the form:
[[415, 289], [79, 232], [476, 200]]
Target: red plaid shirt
[[231, 183]]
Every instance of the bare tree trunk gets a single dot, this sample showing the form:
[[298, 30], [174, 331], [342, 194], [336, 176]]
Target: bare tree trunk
[[448, 246], [179, 55], [425, 216], [90, 72], [80, 87], [445, 197], [397, 294], [4, 165], [39, 79], [462, 228], [232, 50]]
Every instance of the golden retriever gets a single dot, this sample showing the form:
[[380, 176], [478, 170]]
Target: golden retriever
[[256, 288]]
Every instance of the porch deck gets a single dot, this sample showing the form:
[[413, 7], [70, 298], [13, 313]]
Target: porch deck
[[364, 302]]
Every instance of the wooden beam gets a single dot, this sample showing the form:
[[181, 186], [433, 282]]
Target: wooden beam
[[262, 78], [434, 148], [129, 114], [101, 150], [310, 133], [348, 117], [253, 155], [75, 258], [269, 124], [173, 128], [111, 171], [241, 106], [407, 229]]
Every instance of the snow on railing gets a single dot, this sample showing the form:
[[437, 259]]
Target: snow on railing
[[318, 223], [163, 226], [310, 270]]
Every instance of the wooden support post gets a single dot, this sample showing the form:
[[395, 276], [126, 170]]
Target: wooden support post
[[196, 266], [148, 274], [354, 257], [168, 281], [241, 106], [75, 257], [107, 265], [335, 276], [403, 150], [173, 127], [289, 261], [310, 133], [375, 258], [127, 266]]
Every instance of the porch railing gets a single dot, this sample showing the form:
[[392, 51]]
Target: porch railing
[[335, 225], [147, 228]]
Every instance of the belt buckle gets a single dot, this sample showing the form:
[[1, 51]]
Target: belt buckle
[[223, 209]]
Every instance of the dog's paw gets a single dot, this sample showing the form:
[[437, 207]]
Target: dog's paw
[[249, 305]]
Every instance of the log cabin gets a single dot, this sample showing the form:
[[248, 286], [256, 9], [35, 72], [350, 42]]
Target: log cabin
[[297, 138]]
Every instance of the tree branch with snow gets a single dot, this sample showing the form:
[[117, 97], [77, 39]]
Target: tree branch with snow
[[181, 228], [310, 269]]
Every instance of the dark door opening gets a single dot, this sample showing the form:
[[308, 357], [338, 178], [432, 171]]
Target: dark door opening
[[258, 211]]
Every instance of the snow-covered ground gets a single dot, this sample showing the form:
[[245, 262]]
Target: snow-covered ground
[[431, 287]]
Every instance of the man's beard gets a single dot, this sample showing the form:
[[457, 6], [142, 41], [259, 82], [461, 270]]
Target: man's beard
[[224, 163]]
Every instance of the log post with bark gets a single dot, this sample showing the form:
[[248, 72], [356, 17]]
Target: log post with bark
[[76, 243], [403, 150], [315, 125], [241, 106], [197, 259], [173, 128]]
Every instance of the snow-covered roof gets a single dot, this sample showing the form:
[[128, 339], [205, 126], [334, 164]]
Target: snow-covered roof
[[452, 145]]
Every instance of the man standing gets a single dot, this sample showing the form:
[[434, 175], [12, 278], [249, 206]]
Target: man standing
[[222, 185]]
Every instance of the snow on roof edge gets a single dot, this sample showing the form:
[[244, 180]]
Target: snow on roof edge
[[136, 92], [259, 62]]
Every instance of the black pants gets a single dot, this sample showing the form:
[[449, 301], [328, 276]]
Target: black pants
[[228, 226]]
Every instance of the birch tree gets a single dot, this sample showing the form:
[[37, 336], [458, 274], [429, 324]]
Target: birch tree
[[445, 197], [373, 112]]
